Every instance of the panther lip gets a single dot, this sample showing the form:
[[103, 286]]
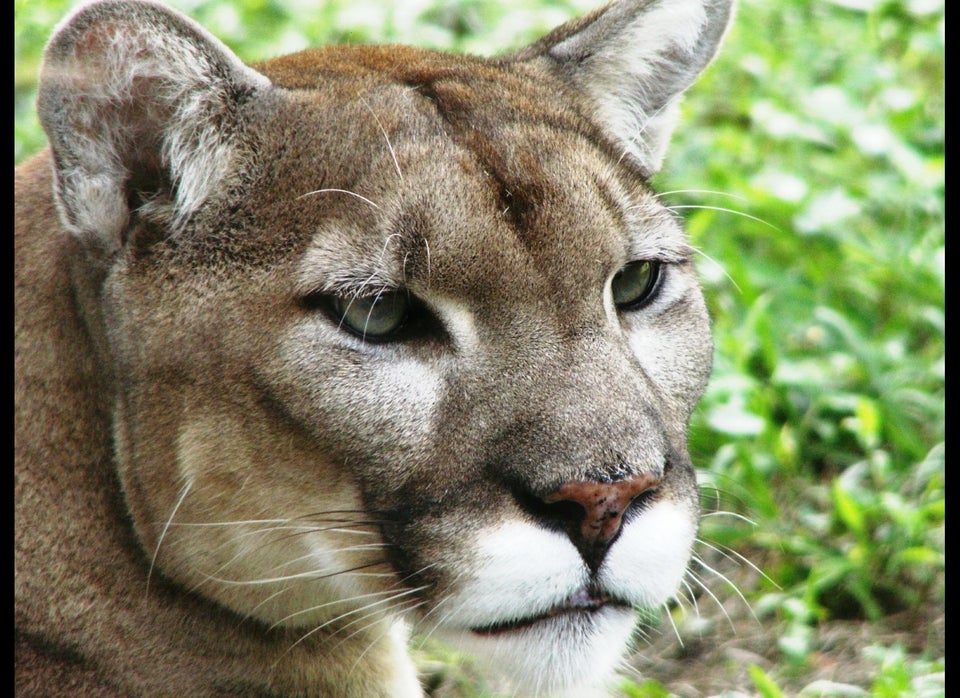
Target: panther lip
[[584, 601]]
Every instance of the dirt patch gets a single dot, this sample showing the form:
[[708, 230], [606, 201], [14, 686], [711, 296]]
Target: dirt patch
[[723, 637]]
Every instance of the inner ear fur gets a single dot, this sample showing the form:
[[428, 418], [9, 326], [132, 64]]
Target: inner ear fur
[[633, 60], [142, 109]]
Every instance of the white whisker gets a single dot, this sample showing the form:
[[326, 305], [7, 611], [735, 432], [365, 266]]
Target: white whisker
[[393, 153], [699, 561], [672, 624], [267, 600], [373, 642], [240, 522], [715, 599], [335, 602], [719, 266], [163, 533], [403, 607], [339, 191], [730, 553], [693, 597], [352, 612], [726, 210], [312, 575], [731, 514]]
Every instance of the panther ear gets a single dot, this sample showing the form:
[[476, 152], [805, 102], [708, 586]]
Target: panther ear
[[633, 59], [142, 109]]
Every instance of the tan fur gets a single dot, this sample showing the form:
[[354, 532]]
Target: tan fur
[[222, 491]]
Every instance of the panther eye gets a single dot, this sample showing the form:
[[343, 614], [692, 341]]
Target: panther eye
[[376, 318], [635, 284]]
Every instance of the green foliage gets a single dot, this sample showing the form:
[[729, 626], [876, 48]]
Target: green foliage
[[765, 685], [647, 689], [899, 677], [809, 167], [826, 413]]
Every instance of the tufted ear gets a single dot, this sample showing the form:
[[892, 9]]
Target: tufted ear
[[142, 108], [633, 59]]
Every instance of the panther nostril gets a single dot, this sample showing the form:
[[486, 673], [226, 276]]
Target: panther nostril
[[598, 507]]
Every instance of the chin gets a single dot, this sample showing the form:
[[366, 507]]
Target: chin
[[533, 612], [565, 652]]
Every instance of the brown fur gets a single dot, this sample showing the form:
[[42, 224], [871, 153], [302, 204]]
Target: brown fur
[[189, 417]]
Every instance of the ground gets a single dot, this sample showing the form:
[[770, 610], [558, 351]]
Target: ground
[[720, 644]]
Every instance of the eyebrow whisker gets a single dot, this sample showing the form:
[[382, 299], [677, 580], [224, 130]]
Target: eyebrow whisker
[[340, 191]]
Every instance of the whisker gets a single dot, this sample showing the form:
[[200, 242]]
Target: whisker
[[423, 637], [347, 530], [349, 613], [240, 522], [719, 493], [393, 153], [403, 607], [642, 630], [678, 599], [699, 561], [731, 514], [437, 606], [312, 556], [730, 554], [340, 191], [318, 518], [153, 560], [295, 531], [624, 668], [701, 191], [290, 532], [326, 512], [719, 266], [270, 598], [693, 597], [715, 599], [441, 618], [327, 604], [312, 575], [672, 624], [427, 246], [265, 545], [726, 210]]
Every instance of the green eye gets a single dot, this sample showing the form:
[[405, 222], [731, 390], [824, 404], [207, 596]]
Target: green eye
[[376, 317], [635, 284]]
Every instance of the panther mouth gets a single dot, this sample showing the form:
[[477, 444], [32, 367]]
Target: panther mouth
[[583, 603]]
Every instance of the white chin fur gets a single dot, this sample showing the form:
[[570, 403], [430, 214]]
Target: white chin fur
[[523, 571], [570, 655]]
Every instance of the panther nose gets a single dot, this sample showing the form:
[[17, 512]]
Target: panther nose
[[603, 505]]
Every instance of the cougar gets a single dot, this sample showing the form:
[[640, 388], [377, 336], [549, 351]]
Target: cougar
[[354, 343]]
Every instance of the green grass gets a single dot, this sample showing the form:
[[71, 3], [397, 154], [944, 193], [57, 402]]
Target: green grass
[[820, 130], [827, 407]]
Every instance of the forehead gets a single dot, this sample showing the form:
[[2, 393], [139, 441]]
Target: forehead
[[472, 171], [435, 220]]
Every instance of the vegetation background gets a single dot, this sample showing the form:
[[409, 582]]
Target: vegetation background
[[809, 167]]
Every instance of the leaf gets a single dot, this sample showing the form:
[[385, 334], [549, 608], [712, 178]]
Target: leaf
[[767, 687], [918, 555], [848, 510]]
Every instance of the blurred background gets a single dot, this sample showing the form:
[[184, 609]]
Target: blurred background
[[809, 167]]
